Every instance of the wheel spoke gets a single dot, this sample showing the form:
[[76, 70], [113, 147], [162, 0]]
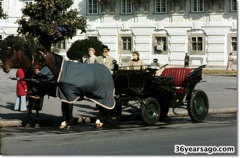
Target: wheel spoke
[[199, 106]]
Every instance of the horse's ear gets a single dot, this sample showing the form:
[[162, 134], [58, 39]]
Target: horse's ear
[[42, 54]]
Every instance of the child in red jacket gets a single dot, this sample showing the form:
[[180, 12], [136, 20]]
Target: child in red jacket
[[21, 91]]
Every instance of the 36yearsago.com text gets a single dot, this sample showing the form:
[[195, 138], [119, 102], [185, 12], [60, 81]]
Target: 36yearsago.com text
[[183, 149]]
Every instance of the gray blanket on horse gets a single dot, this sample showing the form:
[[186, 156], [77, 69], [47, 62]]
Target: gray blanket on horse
[[92, 81]]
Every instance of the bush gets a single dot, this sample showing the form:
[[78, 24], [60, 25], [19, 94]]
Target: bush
[[79, 49]]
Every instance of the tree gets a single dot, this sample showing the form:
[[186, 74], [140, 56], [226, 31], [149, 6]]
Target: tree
[[79, 48], [28, 44], [51, 21]]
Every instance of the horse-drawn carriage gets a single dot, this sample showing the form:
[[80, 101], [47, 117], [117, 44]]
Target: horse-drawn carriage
[[174, 88]]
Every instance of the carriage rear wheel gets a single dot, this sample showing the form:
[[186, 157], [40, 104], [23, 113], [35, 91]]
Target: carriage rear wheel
[[150, 111], [198, 106]]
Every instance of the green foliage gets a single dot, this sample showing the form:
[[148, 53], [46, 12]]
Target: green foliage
[[79, 49], [28, 44], [51, 21]]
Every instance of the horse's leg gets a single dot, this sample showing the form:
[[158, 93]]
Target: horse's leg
[[30, 117], [37, 101], [70, 114], [38, 105], [64, 115], [99, 122], [67, 112]]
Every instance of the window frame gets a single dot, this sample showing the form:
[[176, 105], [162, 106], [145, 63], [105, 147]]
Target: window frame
[[91, 4], [128, 10], [62, 45], [230, 43], [93, 37], [128, 43], [198, 6], [155, 42], [28, 2], [233, 4], [203, 43], [233, 42], [1, 5], [160, 3]]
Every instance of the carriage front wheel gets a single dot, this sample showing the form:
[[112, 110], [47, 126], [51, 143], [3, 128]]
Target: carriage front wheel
[[150, 111], [198, 106]]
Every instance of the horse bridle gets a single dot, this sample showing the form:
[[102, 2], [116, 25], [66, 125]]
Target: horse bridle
[[40, 59]]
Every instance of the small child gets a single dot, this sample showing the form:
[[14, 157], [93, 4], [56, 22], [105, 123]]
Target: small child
[[21, 92]]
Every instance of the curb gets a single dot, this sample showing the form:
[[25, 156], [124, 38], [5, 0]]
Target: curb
[[18, 123], [210, 112], [10, 123]]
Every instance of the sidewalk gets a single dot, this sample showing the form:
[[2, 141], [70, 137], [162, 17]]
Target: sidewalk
[[51, 112]]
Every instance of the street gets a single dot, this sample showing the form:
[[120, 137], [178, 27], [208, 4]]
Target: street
[[127, 138]]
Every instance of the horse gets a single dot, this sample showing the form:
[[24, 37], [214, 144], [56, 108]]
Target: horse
[[13, 55], [78, 81]]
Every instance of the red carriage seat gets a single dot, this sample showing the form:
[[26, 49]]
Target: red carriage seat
[[179, 76]]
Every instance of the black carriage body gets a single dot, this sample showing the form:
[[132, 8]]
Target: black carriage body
[[174, 88], [137, 84]]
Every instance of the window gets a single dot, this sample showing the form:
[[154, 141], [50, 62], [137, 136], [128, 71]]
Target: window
[[126, 44], [1, 4], [233, 44], [233, 5], [160, 45], [160, 6], [28, 2], [60, 45], [125, 49], [93, 37], [197, 5], [126, 7], [92, 7], [232, 40], [197, 44]]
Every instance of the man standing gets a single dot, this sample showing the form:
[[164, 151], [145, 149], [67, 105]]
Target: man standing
[[105, 59], [186, 60], [230, 61]]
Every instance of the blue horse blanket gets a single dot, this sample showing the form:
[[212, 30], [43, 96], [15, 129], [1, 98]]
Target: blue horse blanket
[[91, 81]]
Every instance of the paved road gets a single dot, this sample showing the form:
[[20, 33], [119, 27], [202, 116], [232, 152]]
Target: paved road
[[126, 138], [221, 91]]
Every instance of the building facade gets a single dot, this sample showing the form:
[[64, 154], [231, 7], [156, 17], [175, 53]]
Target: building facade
[[162, 29]]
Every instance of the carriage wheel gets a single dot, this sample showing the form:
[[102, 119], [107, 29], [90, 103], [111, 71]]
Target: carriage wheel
[[150, 111], [198, 106]]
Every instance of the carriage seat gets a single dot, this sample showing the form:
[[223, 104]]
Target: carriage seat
[[179, 76]]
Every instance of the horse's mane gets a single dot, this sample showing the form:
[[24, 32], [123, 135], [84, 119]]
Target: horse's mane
[[58, 58]]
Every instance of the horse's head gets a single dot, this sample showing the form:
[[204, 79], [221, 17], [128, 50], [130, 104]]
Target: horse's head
[[13, 53], [49, 59], [9, 59]]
